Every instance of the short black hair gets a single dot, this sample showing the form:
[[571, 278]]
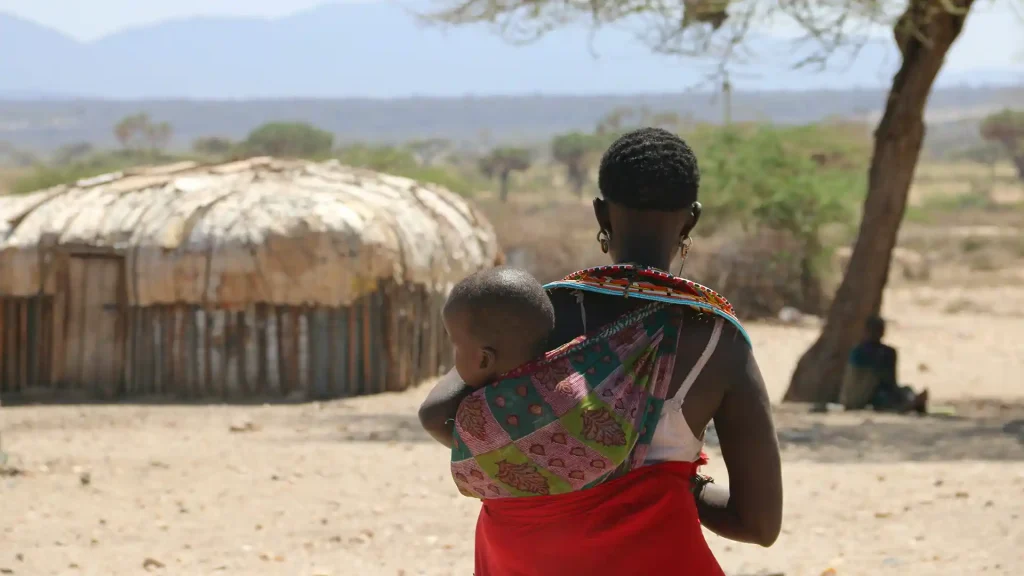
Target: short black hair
[[508, 306], [650, 169]]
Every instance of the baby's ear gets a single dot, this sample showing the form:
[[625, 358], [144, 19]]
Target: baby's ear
[[488, 358]]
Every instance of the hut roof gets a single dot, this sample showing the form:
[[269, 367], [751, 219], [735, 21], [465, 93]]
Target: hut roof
[[260, 230]]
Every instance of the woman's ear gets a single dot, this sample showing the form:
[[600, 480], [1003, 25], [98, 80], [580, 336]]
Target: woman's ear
[[604, 222], [695, 211]]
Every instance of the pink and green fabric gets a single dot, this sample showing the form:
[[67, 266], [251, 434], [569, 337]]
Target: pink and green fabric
[[586, 412], [583, 414]]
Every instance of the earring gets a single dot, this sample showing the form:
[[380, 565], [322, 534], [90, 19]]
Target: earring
[[684, 248], [603, 237]]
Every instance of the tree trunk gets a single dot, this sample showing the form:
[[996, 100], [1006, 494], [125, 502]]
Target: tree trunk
[[1018, 162], [503, 183], [898, 139], [577, 178]]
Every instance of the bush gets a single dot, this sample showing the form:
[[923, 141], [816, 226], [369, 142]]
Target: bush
[[289, 140], [793, 181]]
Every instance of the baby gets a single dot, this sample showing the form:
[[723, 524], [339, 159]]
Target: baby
[[497, 320]]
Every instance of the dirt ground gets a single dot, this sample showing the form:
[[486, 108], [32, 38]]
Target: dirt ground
[[354, 487]]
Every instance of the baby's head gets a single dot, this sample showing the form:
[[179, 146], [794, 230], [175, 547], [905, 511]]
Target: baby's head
[[496, 320]]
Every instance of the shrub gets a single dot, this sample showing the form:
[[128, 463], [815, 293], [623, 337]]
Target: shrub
[[290, 140]]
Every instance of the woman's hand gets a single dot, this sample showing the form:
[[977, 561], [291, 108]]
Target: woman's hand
[[437, 413]]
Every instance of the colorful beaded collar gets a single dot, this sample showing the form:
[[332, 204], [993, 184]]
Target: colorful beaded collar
[[631, 281]]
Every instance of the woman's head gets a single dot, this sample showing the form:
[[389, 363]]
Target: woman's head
[[648, 206]]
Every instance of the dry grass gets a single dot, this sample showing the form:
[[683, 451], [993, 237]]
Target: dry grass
[[8, 176], [941, 181]]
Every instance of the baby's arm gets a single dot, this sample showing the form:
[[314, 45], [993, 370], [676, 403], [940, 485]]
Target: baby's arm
[[437, 413]]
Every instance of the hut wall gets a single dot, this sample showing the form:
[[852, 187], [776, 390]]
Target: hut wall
[[86, 337], [385, 341], [25, 337]]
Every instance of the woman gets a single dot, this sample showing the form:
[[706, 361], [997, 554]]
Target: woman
[[681, 347]]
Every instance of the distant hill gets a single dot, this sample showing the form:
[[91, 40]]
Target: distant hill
[[45, 125], [380, 50], [371, 72]]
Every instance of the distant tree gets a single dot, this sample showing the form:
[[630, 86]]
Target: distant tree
[[289, 139], [500, 163], [131, 131], [1007, 129], [158, 135], [577, 152], [139, 132], [70, 153], [213, 146], [614, 122], [430, 150]]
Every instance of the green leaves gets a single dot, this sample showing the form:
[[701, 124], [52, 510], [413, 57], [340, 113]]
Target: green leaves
[[289, 139], [778, 178]]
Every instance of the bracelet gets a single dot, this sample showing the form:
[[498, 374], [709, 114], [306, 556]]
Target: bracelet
[[697, 484]]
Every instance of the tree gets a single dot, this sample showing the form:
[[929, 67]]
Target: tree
[[213, 146], [429, 151], [158, 136], [139, 132], [924, 32], [289, 139], [500, 163], [577, 152], [131, 130], [1007, 129]]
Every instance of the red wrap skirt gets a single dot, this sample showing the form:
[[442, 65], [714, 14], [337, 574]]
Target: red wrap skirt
[[642, 523]]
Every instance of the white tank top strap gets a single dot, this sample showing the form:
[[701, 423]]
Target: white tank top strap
[[709, 349]]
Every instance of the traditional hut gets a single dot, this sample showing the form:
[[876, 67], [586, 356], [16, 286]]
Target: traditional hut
[[254, 278]]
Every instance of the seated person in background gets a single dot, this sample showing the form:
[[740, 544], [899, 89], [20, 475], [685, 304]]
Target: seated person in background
[[497, 320], [870, 377]]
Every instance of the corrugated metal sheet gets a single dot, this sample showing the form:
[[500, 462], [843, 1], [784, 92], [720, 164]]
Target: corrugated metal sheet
[[290, 233]]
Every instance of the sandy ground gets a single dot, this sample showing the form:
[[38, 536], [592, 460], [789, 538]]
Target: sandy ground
[[354, 487]]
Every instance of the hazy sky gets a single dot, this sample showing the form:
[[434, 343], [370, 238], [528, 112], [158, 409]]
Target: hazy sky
[[994, 36]]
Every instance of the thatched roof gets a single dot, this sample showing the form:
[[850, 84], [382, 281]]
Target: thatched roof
[[259, 230]]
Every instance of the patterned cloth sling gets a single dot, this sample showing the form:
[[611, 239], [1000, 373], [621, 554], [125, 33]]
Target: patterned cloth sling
[[586, 412]]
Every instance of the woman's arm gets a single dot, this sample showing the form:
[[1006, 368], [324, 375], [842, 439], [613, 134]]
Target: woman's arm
[[437, 413], [750, 509]]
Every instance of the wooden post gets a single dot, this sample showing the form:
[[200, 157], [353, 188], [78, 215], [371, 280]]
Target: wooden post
[[261, 348], [353, 349], [3, 356], [23, 342]]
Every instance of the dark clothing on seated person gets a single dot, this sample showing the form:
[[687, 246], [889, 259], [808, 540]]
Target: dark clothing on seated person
[[880, 360]]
